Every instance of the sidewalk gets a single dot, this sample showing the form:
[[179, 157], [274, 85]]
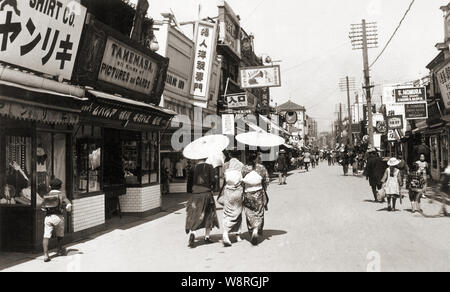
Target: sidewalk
[[171, 203]]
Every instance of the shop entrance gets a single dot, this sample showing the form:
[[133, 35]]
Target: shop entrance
[[114, 176]]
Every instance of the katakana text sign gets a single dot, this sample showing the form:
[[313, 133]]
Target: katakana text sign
[[257, 77], [204, 53], [41, 35]]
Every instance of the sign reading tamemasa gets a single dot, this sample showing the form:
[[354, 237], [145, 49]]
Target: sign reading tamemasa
[[128, 68], [39, 35]]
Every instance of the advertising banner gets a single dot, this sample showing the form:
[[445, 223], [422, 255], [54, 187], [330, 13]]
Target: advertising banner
[[205, 45], [416, 111], [228, 124], [260, 77], [128, 68], [43, 36], [410, 95]]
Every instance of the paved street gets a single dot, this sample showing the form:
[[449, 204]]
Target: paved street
[[320, 221]]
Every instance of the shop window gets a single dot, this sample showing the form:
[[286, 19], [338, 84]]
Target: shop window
[[16, 183], [150, 166], [131, 161], [88, 166], [50, 162]]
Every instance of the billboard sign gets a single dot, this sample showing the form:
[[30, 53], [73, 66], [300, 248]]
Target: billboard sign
[[443, 76], [416, 111], [260, 77], [410, 95], [43, 38]]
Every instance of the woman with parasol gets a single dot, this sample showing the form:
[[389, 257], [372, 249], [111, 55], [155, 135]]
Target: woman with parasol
[[201, 207]]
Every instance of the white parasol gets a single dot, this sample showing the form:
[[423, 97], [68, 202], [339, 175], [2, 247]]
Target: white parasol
[[260, 139], [206, 147]]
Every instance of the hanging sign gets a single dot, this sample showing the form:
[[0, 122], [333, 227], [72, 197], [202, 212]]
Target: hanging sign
[[395, 122], [260, 77], [205, 45], [228, 124], [443, 76], [410, 95], [41, 35], [416, 111]]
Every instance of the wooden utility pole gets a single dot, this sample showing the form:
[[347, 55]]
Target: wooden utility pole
[[347, 84], [364, 36]]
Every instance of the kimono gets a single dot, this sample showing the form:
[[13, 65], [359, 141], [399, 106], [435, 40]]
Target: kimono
[[201, 207], [255, 196], [232, 196]]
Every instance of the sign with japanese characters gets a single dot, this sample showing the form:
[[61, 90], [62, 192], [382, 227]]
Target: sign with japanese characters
[[37, 113], [205, 44], [443, 77], [230, 29], [41, 35], [410, 95], [228, 124], [416, 111], [237, 100], [258, 77], [127, 67], [395, 122]]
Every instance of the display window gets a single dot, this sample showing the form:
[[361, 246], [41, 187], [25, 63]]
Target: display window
[[16, 176], [50, 162], [88, 160], [150, 158]]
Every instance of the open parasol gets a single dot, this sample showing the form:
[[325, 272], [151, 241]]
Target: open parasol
[[206, 147], [260, 139]]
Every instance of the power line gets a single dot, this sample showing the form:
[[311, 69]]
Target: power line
[[395, 32], [253, 11]]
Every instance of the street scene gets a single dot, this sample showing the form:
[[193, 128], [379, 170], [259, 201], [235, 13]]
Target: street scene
[[224, 136]]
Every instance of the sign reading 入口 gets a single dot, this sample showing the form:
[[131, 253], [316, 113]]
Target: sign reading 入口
[[205, 43], [408, 95], [41, 35], [128, 68], [259, 77]]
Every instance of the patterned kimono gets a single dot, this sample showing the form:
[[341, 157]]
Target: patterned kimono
[[255, 198], [232, 197]]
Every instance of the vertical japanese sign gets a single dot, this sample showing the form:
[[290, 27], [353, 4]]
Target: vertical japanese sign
[[228, 124], [41, 35], [443, 77], [205, 45]]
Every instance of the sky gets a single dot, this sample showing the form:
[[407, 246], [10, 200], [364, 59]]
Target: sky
[[310, 37]]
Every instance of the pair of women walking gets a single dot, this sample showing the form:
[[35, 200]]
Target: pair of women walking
[[244, 192]]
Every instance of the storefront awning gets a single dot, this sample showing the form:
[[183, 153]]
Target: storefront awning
[[108, 107], [41, 105]]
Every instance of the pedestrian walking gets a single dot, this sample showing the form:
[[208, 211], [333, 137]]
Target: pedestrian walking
[[231, 198], [282, 167], [374, 171], [201, 207], [392, 183], [256, 180], [423, 167], [415, 183], [345, 161], [54, 203], [307, 159]]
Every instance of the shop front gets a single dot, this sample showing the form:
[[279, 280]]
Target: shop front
[[117, 158], [36, 129]]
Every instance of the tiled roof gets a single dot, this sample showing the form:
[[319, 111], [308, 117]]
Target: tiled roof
[[290, 106]]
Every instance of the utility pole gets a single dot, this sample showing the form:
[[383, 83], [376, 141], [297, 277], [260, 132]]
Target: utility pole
[[346, 84], [364, 36]]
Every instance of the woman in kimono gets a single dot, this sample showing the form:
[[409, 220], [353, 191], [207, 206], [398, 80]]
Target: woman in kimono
[[232, 198], [201, 207], [256, 180]]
